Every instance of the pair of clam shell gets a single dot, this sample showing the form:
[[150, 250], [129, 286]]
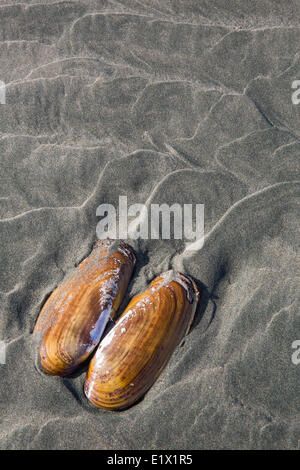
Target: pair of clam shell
[[132, 355]]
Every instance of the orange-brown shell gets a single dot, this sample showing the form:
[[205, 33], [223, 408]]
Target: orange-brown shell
[[73, 319], [133, 354]]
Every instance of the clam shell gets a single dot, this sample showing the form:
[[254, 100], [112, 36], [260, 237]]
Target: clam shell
[[133, 354], [73, 319]]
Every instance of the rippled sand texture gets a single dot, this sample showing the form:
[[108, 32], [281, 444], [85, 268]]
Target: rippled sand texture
[[162, 101]]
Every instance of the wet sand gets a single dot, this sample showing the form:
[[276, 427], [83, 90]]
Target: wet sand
[[160, 101]]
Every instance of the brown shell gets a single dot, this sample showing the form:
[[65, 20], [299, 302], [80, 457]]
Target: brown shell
[[133, 354], [73, 319]]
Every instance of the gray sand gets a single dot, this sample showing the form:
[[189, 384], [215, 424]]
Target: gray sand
[[164, 101]]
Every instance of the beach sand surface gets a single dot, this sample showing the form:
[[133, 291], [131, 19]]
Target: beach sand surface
[[166, 101]]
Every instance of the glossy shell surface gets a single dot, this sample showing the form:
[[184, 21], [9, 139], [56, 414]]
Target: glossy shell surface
[[73, 319], [133, 354]]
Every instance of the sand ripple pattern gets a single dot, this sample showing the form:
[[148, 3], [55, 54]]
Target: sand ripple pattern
[[162, 101]]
